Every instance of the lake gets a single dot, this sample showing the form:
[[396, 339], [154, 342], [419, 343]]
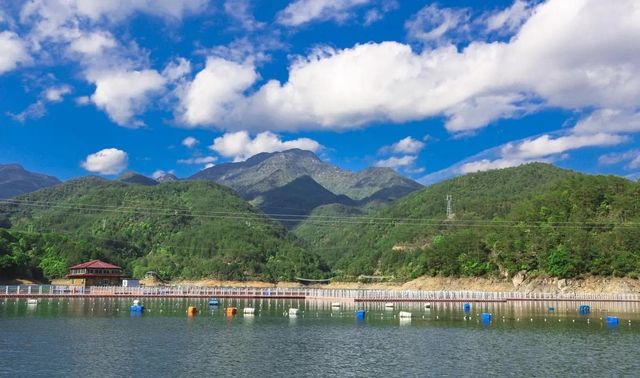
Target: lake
[[100, 338]]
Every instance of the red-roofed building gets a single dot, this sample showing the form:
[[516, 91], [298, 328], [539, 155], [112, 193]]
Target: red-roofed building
[[95, 273]]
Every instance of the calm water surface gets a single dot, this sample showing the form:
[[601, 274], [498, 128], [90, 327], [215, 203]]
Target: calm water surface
[[99, 338]]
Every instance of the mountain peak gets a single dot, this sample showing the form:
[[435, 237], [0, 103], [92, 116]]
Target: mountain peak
[[15, 180], [132, 177]]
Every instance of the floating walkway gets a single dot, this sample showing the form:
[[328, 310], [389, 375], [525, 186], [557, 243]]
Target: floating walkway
[[333, 295]]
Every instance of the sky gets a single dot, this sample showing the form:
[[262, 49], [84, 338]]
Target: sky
[[430, 89]]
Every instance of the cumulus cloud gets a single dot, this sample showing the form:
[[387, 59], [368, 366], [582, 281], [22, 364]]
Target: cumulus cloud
[[190, 142], [109, 161], [240, 146], [122, 94], [215, 89], [13, 51], [302, 12], [92, 43], [559, 58], [407, 145], [437, 25], [161, 173], [397, 162]]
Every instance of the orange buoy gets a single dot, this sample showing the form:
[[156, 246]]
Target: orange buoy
[[192, 311], [231, 311]]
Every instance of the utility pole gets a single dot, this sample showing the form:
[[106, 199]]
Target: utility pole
[[449, 206]]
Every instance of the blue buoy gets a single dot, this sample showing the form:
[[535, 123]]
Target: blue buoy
[[486, 316], [612, 320], [552, 309], [214, 302], [584, 309], [136, 308], [360, 314], [466, 307]]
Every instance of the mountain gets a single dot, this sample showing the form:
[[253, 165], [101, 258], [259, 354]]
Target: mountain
[[535, 217], [136, 178], [167, 177], [267, 171], [289, 203], [188, 229], [15, 180]]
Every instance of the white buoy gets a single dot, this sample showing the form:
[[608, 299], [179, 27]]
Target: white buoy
[[335, 305], [32, 301], [404, 314], [294, 311], [427, 305], [249, 311], [389, 305]]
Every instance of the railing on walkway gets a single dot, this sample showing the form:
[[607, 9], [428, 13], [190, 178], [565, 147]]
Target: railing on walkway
[[337, 294]]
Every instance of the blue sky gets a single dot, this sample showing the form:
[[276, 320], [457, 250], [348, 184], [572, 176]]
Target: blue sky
[[429, 89]]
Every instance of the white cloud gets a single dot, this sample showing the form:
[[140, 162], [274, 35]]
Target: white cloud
[[198, 160], [559, 58], [546, 145], [109, 161], [160, 173], [376, 14], [301, 12], [177, 70], [92, 43], [38, 109], [122, 94], [486, 165], [12, 51], [509, 20], [397, 162], [57, 93], [240, 10], [214, 90], [407, 145], [190, 142], [611, 120], [631, 156], [240, 146], [435, 25]]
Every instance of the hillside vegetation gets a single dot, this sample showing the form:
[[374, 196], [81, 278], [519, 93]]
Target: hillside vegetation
[[535, 217], [187, 229]]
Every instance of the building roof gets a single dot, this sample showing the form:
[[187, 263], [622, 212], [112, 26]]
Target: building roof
[[95, 264]]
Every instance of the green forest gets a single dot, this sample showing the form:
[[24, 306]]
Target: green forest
[[536, 217], [188, 229]]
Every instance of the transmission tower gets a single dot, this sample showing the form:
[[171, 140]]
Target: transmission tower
[[449, 206]]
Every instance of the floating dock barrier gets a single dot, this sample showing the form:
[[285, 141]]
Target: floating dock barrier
[[249, 311], [192, 311], [231, 311], [136, 307], [405, 314], [294, 311], [360, 314]]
